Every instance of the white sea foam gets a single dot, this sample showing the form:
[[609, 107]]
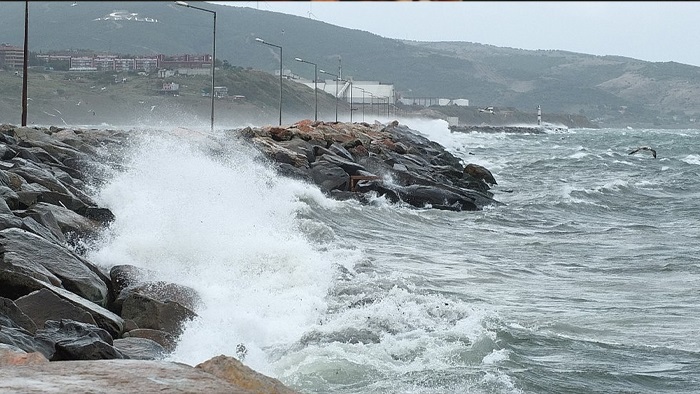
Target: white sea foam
[[227, 227], [692, 159]]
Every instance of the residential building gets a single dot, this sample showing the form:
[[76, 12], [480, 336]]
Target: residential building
[[11, 56]]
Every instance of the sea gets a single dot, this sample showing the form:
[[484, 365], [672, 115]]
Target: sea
[[585, 278]]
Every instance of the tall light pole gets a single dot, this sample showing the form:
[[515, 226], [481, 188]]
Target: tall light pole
[[213, 56], [351, 106], [336, 92], [260, 40], [24, 65], [315, 86], [363, 103]]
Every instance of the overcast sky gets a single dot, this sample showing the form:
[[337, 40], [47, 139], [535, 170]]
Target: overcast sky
[[652, 31]]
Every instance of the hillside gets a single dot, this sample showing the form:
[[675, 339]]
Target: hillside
[[70, 98], [609, 90]]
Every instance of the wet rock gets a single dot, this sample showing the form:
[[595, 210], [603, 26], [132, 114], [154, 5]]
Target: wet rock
[[234, 372]]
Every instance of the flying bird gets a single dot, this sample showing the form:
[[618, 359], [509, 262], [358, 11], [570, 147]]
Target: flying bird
[[487, 109], [644, 148]]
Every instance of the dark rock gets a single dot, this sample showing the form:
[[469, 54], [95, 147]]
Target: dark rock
[[78, 341], [164, 339], [31, 255], [329, 176], [14, 313], [158, 305], [104, 318], [126, 275], [43, 305], [140, 348], [13, 335], [480, 172]]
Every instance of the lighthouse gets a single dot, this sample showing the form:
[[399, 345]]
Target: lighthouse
[[539, 116]]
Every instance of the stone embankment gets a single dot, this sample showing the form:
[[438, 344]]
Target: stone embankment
[[356, 160]]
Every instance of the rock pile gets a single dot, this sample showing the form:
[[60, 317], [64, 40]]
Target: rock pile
[[354, 160], [55, 305]]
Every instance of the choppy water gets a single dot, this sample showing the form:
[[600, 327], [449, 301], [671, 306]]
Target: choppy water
[[586, 279]]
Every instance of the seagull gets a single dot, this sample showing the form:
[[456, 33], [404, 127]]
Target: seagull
[[487, 109], [74, 4], [644, 148], [152, 107], [79, 102]]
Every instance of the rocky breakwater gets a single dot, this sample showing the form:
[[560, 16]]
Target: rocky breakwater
[[359, 160], [66, 324]]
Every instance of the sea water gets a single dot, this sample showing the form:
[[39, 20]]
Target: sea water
[[585, 279]]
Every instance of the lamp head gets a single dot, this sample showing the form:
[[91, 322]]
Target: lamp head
[[259, 39], [182, 3], [297, 59]]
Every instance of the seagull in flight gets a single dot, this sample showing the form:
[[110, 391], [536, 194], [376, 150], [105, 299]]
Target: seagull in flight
[[487, 109], [644, 148]]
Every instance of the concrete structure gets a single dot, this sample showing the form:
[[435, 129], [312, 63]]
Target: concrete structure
[[220, 91], [430, 101], [148, 64], [194, 71], [11, 56], [184, 61], [171, 87], [374, 91]]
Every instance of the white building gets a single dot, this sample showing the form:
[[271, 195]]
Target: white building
[[367, 92]]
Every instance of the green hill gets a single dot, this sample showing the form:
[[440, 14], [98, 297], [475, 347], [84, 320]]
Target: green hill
[[609, 90]]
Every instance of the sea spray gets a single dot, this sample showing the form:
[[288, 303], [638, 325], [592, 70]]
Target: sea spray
[[225, 225]]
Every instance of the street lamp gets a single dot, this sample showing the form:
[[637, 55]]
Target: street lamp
[[260, 40], [336, 92], [213, 56], [24, 65], [363, 103], [315, 86]]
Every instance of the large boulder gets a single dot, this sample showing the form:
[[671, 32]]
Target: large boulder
[[27, 254], [14, 356], [44, 304], [158, 305], [140, 348], [113, 377], [16, 315], [234, 372], [78, 341]]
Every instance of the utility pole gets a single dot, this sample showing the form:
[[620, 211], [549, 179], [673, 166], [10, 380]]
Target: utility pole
[[26, 61]]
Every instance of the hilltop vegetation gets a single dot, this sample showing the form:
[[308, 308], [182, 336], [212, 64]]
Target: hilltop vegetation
[[609, 90]]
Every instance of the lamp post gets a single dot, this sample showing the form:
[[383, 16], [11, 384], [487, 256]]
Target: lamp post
[[363, 103], [24, 65], [336, 92], [213, 57], [351, 105], [260, 40], [315, 86]]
